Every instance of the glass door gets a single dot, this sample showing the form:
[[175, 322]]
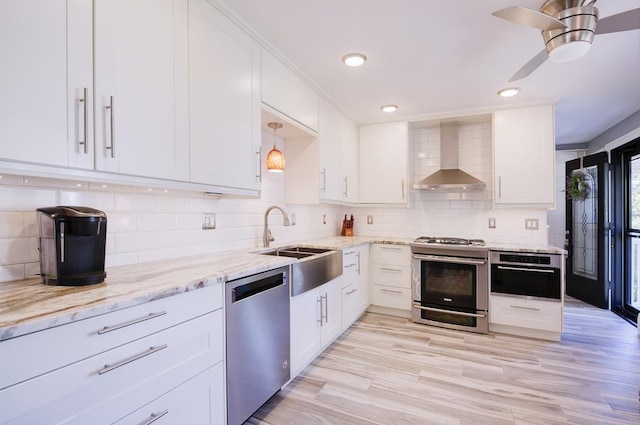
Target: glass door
[[626, 257], [587, 274]]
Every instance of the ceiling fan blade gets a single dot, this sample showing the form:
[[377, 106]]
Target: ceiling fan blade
[[531, 18], [625, 21], [530, 66]]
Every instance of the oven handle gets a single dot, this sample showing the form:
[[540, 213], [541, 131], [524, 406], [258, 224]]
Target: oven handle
[[523, 269], [457, 313], [456, 260]]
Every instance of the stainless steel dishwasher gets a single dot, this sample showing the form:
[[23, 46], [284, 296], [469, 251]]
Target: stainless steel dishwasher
[[257, 312]]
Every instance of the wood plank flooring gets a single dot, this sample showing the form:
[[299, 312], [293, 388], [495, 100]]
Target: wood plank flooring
[[389, 371]]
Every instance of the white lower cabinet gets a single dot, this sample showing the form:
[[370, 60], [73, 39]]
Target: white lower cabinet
[[316, 321], [148, 358], [525, 316], [355, 284], [391, 276]]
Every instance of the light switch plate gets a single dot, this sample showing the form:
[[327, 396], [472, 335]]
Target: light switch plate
[[369, 219], [492, 223]]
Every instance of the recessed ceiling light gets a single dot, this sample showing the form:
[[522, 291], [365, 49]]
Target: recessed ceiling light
[[509, 91], [389, 108], [354, 59]]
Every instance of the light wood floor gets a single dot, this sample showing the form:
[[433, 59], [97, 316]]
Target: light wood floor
[[387, 370]]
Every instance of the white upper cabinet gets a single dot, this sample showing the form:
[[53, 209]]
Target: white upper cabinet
[[349, 160], [46, 83], [287, 93], [331, 156], [224, 95], [524, 162], [141, 88], [383, 163]]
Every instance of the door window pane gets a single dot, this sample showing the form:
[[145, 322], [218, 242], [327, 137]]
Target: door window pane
[[634, 193], [585, 229]]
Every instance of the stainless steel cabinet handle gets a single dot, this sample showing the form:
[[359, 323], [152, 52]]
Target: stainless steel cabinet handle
[[358, 257], [259, 175], [111, 108], [391, 248], [346, 187], [326, 308], [154, 417], [319, 300], [390, 291], [457, 313], [351, 291], [403, 189], [499, 187], [523, 269], [108, 329], [85, 114], [108, 368], [350, 265], [324, 180], [525, 308], [387, 269]]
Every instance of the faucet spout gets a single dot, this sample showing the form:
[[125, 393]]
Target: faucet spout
[[267, 236]]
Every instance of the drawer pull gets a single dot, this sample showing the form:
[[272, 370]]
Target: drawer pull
[[391, 291], [387, 269], [151, 350], [154, 417], [457, 313], [525, 308], [108, 329], [351, 291], [349, 265], [523, 269], [391, 248]]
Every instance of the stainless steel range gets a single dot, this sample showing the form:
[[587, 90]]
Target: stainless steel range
[[450, 283]]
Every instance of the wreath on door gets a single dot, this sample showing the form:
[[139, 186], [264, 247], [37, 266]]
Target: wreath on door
[[578, 187]]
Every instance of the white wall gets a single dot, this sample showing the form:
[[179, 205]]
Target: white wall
[[146, 225], [556, 218]]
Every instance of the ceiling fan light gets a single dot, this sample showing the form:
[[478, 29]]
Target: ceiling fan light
[[569, 51], [509, 91], [354, 59]]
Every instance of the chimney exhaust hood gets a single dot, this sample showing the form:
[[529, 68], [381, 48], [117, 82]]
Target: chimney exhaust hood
[[450, 178]]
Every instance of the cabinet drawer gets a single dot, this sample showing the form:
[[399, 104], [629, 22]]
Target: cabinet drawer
[[399, 255], [198, 401], [353, 304], [88, 337], [526, 313], [386, 275], [393, 297], [81, 392]]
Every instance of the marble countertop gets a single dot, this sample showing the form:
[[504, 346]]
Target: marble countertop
[[28, 305]]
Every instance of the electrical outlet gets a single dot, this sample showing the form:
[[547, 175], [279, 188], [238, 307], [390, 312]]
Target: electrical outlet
[[492, 223], [208, 221], [293, 219], [369, 219], [531, 223], [324, 219]]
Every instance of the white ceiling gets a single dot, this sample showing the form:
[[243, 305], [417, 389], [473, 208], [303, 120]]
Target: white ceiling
[[433, 57]]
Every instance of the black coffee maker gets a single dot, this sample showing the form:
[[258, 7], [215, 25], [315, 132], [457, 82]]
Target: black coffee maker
[[71, 241]]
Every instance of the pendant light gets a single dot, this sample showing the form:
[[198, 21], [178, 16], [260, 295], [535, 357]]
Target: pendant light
[[275, 158]]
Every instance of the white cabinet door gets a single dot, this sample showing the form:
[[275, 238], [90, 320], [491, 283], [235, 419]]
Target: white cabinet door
[[287, 93], [524, 149], [331, 178], [349, 160], [331, 297], [141, 88], [363, 277], [46, 82], [224, 100], [383, 163], [305, 329]]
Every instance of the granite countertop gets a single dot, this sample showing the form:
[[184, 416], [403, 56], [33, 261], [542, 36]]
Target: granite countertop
[[28, 305]]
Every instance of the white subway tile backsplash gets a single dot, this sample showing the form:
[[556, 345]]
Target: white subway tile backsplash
[[125, 202], [12, 225], [12, 272], [18, 250], [25, 199], [98, 200]]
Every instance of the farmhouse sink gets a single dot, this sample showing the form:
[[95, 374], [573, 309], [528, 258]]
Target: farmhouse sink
[[315, 266]]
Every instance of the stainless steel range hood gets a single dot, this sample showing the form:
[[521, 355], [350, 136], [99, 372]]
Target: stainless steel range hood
[[450, 178]]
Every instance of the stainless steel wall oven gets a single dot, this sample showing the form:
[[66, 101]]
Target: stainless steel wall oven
[[450, 286]]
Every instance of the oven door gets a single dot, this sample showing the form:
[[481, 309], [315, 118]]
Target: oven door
[[450, 291]]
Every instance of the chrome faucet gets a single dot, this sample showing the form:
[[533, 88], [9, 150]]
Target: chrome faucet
[[267, 236]]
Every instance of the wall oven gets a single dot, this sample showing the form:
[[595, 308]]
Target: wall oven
[[450, 286], [526, 274]]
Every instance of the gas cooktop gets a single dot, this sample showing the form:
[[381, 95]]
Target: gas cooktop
[[449, 241]]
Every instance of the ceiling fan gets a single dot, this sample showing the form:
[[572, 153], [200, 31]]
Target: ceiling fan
[[568, 28]]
